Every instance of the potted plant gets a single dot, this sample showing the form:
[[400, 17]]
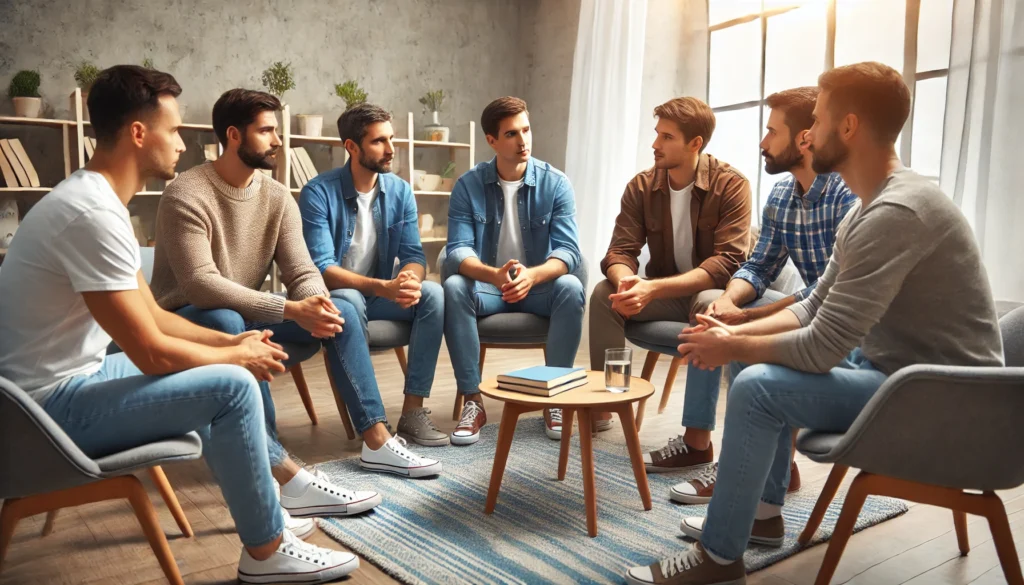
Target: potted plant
[[448, 177], [432, 102], [24, 92], [351, 93], [279, 78], [85, 75]]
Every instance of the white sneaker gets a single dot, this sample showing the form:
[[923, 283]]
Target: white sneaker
[[553, 423], [300, 527], [323, 498], [297, 562], [393, 457]]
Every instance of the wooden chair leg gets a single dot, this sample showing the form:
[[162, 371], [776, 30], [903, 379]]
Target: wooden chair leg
[[828, 493], [147, 517], [506, 431], [402, 362], [307, 401], [649, 363], [636, 455], [563, 451], [51, 518], [9, 518], [483, 354], [342, 409], [669, 381], [156, 473], [460, 401], [995, 512], [960, 524], [641, 408], [844, 528]]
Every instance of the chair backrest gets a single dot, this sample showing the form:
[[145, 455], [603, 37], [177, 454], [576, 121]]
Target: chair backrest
[[35, 454], [1012, 328]]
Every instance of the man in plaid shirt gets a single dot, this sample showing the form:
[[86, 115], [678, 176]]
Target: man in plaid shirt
[[799, 222]]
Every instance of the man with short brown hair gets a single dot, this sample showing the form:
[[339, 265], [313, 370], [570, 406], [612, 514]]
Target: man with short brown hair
[[693, 213]]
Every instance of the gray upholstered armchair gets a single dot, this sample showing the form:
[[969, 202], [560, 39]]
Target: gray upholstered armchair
[[928, 434]]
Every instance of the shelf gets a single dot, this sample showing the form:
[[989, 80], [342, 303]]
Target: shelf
[[184, 126], [330, 140], [25, 189], [36, 121], [432, 240], [438, 193], [429, 143]]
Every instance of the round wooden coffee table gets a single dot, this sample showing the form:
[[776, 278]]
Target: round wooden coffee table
[[581, 402]]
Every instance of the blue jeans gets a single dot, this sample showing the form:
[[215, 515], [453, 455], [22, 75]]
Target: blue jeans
[[348, 357], [427, 319], [700, 402], [118, 408], [561, 300], [765, 403]]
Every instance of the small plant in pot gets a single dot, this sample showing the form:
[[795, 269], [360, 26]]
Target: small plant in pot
[[85, 75], [279, 79], [432, 102], [351, 93], [24, 92], [448, 177]]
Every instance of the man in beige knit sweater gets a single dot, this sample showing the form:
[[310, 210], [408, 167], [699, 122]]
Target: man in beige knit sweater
[[219, 228]]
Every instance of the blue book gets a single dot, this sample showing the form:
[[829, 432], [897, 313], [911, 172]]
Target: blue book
[[543, 376]]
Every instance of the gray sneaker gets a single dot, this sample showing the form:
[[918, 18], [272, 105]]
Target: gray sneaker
[[416, 425]]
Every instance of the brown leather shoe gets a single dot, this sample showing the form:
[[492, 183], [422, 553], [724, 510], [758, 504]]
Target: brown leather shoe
[[794, 478], [677, 456], [692, 566], [472, 420], [769, 532]]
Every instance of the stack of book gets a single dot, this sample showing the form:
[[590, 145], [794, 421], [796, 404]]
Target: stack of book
[[543, 380]]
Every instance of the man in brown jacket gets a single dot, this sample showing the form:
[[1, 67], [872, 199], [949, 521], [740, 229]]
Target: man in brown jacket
[[692, 211]]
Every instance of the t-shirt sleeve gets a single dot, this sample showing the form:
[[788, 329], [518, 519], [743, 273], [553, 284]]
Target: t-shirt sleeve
[[99, 252]]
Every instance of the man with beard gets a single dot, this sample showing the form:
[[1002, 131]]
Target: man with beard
[[360, 223], [799, 222], [512, 248], [219, 228], [692, 211], [882, 304], [72, 282]]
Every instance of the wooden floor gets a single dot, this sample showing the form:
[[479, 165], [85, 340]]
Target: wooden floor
[[102, 543]]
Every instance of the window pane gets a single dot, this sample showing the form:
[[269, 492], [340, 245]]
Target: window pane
[[735, 64], [870, 30], [735, 141], [722, 10], [929, 110], [795, 48], [934, 31]]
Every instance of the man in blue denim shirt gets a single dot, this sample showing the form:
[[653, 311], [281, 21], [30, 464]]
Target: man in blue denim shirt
[[799, 222], [512, 248], [360, 222]]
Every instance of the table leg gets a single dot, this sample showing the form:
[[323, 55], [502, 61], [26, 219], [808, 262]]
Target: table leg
[[509, 418], [587, 455], [563, 454], [636, 456]]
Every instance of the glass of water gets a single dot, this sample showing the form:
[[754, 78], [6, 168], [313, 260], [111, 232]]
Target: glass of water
[[618, 367]]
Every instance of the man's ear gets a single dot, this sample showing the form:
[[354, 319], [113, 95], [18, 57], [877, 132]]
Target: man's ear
[[696, 143], [802, 141]]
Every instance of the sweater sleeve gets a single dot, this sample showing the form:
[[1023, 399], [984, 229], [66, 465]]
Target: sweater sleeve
[[190, 257], [299, 275]]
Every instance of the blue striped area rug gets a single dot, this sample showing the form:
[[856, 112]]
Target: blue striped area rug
[[434, 531]]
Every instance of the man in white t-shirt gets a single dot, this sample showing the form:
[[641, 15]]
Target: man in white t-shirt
[[71, 282]]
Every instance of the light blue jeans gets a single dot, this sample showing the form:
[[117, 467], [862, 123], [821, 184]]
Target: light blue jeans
[[700, 402], [765, 403], [561, 300], [427, 319], [348, 356], [118, 408]]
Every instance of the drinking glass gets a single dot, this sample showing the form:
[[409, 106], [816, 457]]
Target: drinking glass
[[618, 366]]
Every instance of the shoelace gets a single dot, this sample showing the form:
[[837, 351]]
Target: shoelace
[[556, 416], [292, 546], [708, 475], [683, 561], [469, 413], [397, 445], [423, 415], [324, 484], [675, 446]]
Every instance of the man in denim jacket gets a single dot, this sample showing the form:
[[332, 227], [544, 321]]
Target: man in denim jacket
[[512, 248], [360, 223]]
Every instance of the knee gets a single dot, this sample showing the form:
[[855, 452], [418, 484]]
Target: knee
[[350, 311], [751, 385], [223, 320], [569, 290], [457, 289], [240, 385], [704, 299], [431, 297], [350, 297], [599, 298]]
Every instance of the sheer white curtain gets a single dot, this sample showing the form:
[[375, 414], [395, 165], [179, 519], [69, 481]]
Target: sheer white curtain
[[981, 153], [604, 108]]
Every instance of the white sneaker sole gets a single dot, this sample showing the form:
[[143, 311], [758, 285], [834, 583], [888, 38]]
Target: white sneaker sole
[[553, 435], [634, 581], [465, 440], [696, 534], [686, 498], [304, 532], [425, 471], [349, 509], [322, 576]]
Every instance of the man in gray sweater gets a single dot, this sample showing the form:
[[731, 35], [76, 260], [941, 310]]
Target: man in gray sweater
[[905, 286]]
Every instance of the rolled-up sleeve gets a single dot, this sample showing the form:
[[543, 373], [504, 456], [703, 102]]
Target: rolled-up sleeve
[[461, 238], [732, 233], [316, 228], [564, 231]]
